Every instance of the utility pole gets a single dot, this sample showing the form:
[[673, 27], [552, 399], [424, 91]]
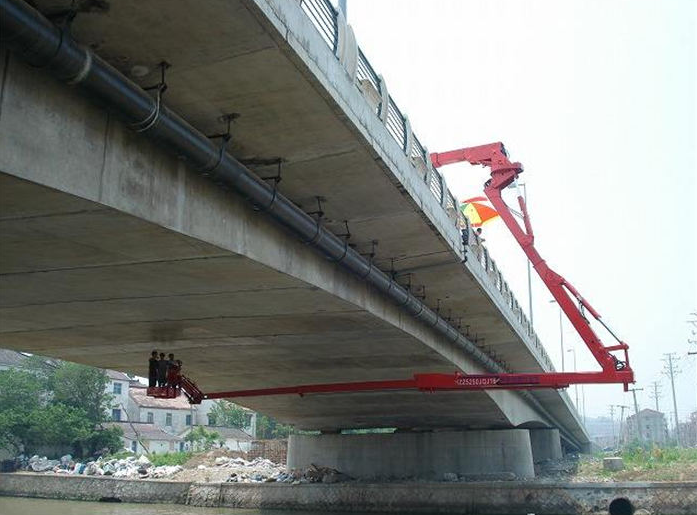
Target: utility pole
[[612, 425], [656, 394], [622, 408], [671, 370], [636, 412], [692, 341]]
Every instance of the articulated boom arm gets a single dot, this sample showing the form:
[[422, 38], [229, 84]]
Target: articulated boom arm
[[503, 173]]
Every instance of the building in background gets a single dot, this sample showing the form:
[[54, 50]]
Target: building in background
[[141, 438], [177, 417], [170, 415], [118, 387], [230, 438], [653, 427], [688, 431]]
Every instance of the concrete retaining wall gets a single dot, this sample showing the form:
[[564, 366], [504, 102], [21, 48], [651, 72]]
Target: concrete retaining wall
[[486, 498], [93, 488]]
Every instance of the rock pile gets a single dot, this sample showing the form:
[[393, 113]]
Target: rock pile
[[213, 469], [261, 470], [313, 474], [242, 471], [131, 467]]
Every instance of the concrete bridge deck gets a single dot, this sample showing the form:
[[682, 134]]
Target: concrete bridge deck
[[111, 246]]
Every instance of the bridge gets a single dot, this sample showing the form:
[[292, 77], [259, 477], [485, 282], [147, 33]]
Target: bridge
[[231, 181]]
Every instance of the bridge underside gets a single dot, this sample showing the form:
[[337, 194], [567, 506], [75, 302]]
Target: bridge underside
[[89, 284]]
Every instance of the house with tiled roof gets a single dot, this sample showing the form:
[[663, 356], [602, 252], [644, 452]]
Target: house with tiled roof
[[231, 438], [171, 415], [139, 437]]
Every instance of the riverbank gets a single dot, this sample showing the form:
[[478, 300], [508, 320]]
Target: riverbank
[[492, 498]]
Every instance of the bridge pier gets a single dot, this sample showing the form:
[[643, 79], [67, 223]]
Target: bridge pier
[[546, 444], [427, 455]]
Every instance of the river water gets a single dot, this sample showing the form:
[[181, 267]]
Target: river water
[[22, 506]]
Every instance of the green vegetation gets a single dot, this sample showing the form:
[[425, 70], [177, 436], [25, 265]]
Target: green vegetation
[[657, 457], [641, 464], [59, 406], [268, 428], [170, 458], [120, 455], [228, 414], [200, 439], [369, 431]]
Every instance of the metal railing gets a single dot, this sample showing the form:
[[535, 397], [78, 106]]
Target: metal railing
[[324, 17], [366, 74], [395, 124]]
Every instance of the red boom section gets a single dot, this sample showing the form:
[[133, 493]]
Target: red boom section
[[421, 382]]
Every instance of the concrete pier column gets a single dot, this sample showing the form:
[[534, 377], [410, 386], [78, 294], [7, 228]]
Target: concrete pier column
[[432, 455], [546, 444]]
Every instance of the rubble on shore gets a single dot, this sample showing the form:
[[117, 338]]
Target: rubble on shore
[[222, 466], [208, 467], [130, 467]]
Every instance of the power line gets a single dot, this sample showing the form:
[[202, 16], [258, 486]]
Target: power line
[[670, 369]]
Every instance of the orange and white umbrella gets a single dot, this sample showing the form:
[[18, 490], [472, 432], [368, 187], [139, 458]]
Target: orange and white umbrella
[[477, 212]]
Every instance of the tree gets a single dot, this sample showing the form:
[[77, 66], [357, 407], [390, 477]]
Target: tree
[[20, 395], [199, 438], [228, 414], [108, 438], [58, 425], [82, 387], [268, 428], [55, 406]]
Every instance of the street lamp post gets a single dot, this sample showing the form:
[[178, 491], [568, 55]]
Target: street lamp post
[[525, 198], [576, 386], [561, 337]]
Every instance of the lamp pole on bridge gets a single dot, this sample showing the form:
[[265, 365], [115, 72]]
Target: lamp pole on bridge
[[561, 336], [583, 393], [525, 198]]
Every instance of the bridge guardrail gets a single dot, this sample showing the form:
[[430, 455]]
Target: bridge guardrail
[[326, 20]]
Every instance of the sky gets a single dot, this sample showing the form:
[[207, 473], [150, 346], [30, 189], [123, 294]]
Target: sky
[[597, 100]]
